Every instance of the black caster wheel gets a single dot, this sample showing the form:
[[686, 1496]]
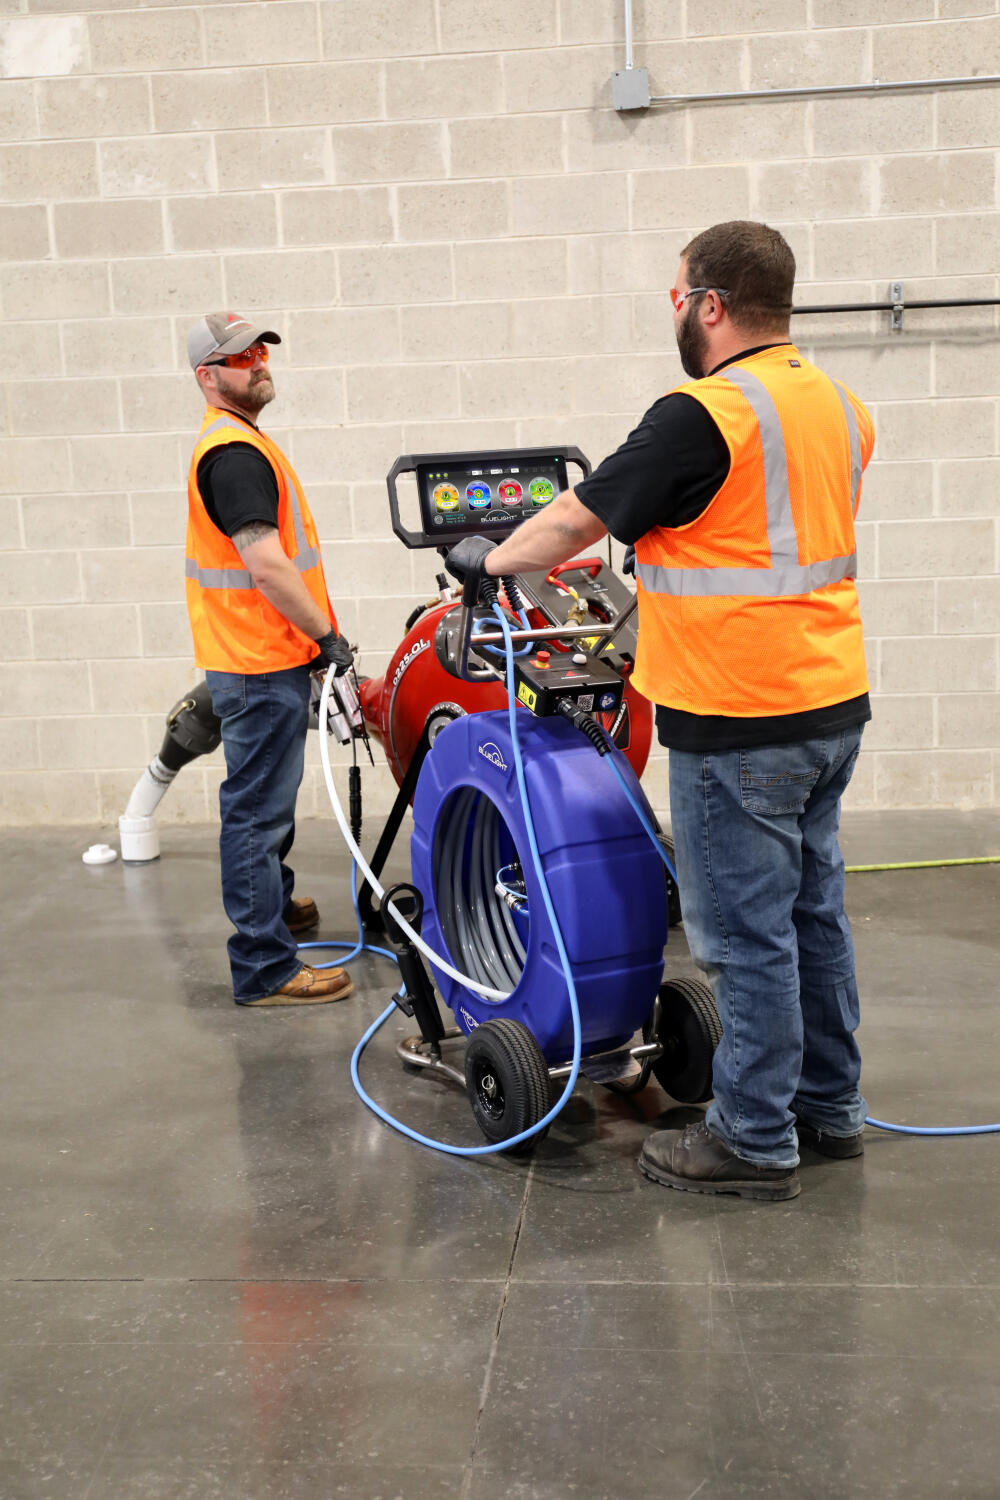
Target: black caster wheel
[[673, 894], [507, 1080], [686, 1024]]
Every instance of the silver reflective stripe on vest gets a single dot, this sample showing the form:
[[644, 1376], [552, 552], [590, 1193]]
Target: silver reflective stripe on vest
[[855, 436], [767, 583], [306, 557], [218, 578], [781, 537], [786, 575], [221, 422]]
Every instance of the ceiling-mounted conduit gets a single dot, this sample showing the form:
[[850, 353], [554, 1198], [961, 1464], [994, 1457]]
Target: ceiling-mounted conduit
[[630, 88]]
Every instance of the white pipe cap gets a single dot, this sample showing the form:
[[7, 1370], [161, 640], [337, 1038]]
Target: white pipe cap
[[99, 854]]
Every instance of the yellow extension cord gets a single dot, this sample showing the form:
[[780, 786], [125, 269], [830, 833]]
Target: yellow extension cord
[[924, 864]]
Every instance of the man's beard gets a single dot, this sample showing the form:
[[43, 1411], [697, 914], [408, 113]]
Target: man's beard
[[692, 345], [256, 396]]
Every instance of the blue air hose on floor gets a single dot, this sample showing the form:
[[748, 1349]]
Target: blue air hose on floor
[[934, 1129]]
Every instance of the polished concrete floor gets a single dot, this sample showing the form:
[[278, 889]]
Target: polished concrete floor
[[222, 1277]]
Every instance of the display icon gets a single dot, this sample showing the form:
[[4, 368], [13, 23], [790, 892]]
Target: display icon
[[479, 495], [510, 492], [541, 491], [446, 497]]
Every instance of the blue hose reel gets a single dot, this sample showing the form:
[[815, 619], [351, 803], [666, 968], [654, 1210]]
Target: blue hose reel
[[604, 876]]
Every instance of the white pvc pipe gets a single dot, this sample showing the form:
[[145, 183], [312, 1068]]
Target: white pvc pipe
[[629, 62], [139, 839], [149, 790], [363, 866], [137, 830]]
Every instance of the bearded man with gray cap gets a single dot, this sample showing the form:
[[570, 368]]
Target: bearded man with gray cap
[[261, 619]]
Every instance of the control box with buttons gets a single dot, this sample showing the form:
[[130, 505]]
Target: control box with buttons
[[540, 680]]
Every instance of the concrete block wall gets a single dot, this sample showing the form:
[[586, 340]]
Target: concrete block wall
[[462, 243]]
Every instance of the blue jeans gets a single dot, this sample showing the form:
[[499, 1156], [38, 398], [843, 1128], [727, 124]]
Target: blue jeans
[[761, 882], [264, 721]]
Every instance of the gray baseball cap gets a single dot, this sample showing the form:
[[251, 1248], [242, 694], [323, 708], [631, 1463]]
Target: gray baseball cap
[[221, 333]]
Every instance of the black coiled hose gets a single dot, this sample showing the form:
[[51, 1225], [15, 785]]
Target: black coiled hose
[[489, 591], [354, 787], [513, 594]]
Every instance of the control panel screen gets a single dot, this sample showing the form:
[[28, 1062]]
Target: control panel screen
[[485, 494]]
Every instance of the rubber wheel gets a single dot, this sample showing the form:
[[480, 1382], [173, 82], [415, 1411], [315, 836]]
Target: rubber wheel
[[686, 1024], [507, 1080], [673, 894]]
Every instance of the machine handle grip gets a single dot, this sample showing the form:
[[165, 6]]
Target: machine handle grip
[[575, 455], [406, 463], [593, 565]]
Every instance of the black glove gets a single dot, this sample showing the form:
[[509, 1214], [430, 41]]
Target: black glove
[[335, 649], [628, 561], [466, 561]]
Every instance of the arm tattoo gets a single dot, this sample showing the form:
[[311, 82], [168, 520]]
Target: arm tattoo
[[254, 531]]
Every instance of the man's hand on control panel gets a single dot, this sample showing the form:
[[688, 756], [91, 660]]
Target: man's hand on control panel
[[466, 561]]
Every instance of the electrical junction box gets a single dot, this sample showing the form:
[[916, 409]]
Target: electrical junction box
[[542, 679], [630, 89]]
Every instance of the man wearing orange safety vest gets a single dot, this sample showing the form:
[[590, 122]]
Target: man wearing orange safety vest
[[261, 619], [738, 491]]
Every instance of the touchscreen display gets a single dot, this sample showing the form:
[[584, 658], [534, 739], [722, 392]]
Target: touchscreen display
[[483, 493]]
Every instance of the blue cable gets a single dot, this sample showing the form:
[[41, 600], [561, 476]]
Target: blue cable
[[640, 814], [524, 1135], [934, 1130], [522, 650], [359, 946], [878, 1124]]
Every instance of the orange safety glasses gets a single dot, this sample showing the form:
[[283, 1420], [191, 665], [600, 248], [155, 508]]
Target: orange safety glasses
[[244, 359], [679, 298]]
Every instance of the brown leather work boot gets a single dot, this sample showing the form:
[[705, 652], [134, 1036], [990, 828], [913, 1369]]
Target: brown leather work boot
[[309, 987], [696, 1161], [300, 914]]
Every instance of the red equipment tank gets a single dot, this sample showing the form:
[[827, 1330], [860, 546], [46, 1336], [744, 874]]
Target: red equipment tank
[[417, 687], [397, 706]]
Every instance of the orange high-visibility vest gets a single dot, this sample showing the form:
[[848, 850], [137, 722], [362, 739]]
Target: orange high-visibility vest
[[751, 610], [234, 627]]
